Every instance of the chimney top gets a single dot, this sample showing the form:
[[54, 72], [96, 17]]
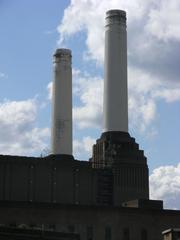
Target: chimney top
[[115, 16], [62, 52]]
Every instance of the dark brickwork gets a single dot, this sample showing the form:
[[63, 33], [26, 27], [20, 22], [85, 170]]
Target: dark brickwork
[[120, 153], [104, 198], [92, 220], [56, 178], [116, 173], [24, 232]]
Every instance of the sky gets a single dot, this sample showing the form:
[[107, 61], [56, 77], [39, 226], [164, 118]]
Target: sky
[[30, 31]]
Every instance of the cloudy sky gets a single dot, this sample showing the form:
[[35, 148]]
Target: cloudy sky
[[30, 31]]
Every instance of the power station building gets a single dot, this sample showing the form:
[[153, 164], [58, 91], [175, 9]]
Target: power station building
[[106, 197]]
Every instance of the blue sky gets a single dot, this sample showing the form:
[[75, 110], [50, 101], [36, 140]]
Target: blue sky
[[30, 31]]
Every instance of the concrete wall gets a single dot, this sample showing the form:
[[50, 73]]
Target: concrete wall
[[119, 221], [61, 179], [52, 179], [133, 177], [119, 152]]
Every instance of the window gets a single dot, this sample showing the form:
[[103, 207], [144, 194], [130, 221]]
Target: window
[[126, 234], [52, 227], [32, 226], [144, 234], [89, 232], [177, 234], [107, 233], [71, 228], [12, 224]]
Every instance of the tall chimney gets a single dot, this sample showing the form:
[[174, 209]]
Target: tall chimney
[[115, 109], [62, 103]]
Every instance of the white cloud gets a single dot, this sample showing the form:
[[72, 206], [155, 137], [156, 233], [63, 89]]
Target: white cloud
[[89, 91], [158, 19], [83, 148], [165, 185], [142, 105], [89, 16], [155, 50], [170, 95], [18, 128], [164, 19], [153, 63], [144, 93], [49, 89]]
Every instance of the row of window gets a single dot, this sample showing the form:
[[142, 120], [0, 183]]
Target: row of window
[[108, 233], [125, 233], [89, 230]]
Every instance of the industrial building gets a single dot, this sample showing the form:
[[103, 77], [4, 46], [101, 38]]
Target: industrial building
[[21, 233], [106, 197]]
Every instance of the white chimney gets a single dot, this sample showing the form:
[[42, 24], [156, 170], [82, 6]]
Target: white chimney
[[62, 103], [115, 109]]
